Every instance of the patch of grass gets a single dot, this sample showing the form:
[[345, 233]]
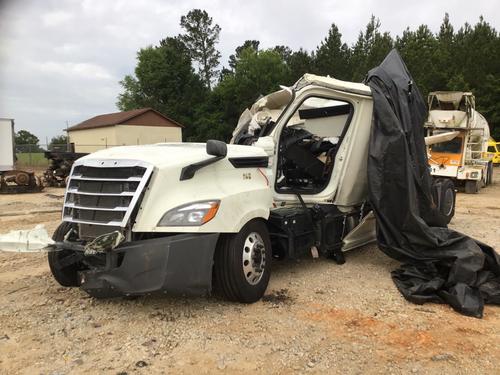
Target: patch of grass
[[34, 159]]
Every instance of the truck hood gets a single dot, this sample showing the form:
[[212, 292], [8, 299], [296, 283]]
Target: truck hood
[[170, 154]]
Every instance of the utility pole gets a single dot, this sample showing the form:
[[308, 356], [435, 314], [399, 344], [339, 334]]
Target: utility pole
[[67, 136]]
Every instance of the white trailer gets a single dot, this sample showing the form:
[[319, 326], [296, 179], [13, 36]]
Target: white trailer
[[462, 155], [6, 144]]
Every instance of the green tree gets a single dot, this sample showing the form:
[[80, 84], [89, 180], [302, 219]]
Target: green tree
[[488, 99], [201, 38], [444, 57], [332, 56], [24, 137], [299, 63], [255, 73], [233, 59], [476, 52], [419, 50], [26, 141], [165, 80], [284, 51], [370, 49], [58, 140]]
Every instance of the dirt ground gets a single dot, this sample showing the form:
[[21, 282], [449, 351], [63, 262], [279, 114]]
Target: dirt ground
[[317, 317]]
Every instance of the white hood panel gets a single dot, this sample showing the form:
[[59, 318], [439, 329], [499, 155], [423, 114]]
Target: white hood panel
[[170, 154]]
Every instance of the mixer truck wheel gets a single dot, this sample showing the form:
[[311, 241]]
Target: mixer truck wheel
[[64, 275], [489, 180], [242, 263], [472, 186], [447, 199]]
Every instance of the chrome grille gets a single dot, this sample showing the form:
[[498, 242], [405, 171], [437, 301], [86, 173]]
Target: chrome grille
[[104, 192]]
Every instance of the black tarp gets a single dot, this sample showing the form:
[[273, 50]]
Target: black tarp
[[438, 264]]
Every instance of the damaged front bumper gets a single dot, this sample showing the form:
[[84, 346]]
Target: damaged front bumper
[[179, 264]]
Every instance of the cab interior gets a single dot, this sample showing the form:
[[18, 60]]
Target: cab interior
[[309, 143]]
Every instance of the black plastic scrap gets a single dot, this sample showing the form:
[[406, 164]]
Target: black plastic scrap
[[439, 264]]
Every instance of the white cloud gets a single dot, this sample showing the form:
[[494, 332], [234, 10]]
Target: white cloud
[[56, 18], [71, 69]]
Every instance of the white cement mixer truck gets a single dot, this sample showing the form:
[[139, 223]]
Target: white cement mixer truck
[[462, 153]]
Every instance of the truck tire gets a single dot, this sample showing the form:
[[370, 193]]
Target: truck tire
[[447, 199], [242, 263], [484, 180], [489, 180], [64, 275], [472, 186]]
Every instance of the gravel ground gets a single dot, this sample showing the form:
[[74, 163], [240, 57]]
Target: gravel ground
[[317, 317]]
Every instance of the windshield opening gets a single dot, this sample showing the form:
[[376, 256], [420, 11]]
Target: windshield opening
[[451, 147]]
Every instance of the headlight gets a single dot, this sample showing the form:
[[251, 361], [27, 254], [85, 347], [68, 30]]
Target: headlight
[[192, 214]]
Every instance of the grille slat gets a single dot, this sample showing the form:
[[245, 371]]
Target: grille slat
[[106, 172], [72, 205], [98, 194], [107, 187], [129, 179], [122, 194], [81, 221]]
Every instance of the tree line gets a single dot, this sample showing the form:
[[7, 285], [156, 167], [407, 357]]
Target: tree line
[[26, 141], [180, 76]]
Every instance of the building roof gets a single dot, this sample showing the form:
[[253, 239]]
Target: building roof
[[110, 119]]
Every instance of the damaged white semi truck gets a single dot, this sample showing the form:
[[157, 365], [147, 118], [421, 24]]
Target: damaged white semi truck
[[190, 218]]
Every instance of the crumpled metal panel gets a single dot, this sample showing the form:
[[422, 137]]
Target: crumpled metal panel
[[26, 240]]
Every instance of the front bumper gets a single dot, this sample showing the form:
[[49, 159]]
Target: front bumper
[[179, 264]]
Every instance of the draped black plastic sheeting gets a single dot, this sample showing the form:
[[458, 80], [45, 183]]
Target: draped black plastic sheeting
[[438, 264]]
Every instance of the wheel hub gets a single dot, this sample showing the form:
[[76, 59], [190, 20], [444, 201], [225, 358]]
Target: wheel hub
[[254, 258]]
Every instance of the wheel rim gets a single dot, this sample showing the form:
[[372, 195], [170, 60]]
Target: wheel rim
[[448, 202], [254, 258]]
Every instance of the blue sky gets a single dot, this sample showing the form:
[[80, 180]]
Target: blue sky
[[61, 61]]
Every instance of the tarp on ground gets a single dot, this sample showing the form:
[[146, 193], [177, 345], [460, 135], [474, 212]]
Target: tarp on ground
[[438, 264]]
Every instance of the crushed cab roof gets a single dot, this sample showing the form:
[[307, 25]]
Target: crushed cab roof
[[333, 83]]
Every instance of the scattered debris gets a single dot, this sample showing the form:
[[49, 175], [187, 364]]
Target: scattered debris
[[423, 309], [55, 196], [442, 357], [18, 289], [141, 364], [149, 342], [78, 362], [277, 298]]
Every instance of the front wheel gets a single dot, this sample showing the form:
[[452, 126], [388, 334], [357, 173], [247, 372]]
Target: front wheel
[[242, 263], [65, 273]]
